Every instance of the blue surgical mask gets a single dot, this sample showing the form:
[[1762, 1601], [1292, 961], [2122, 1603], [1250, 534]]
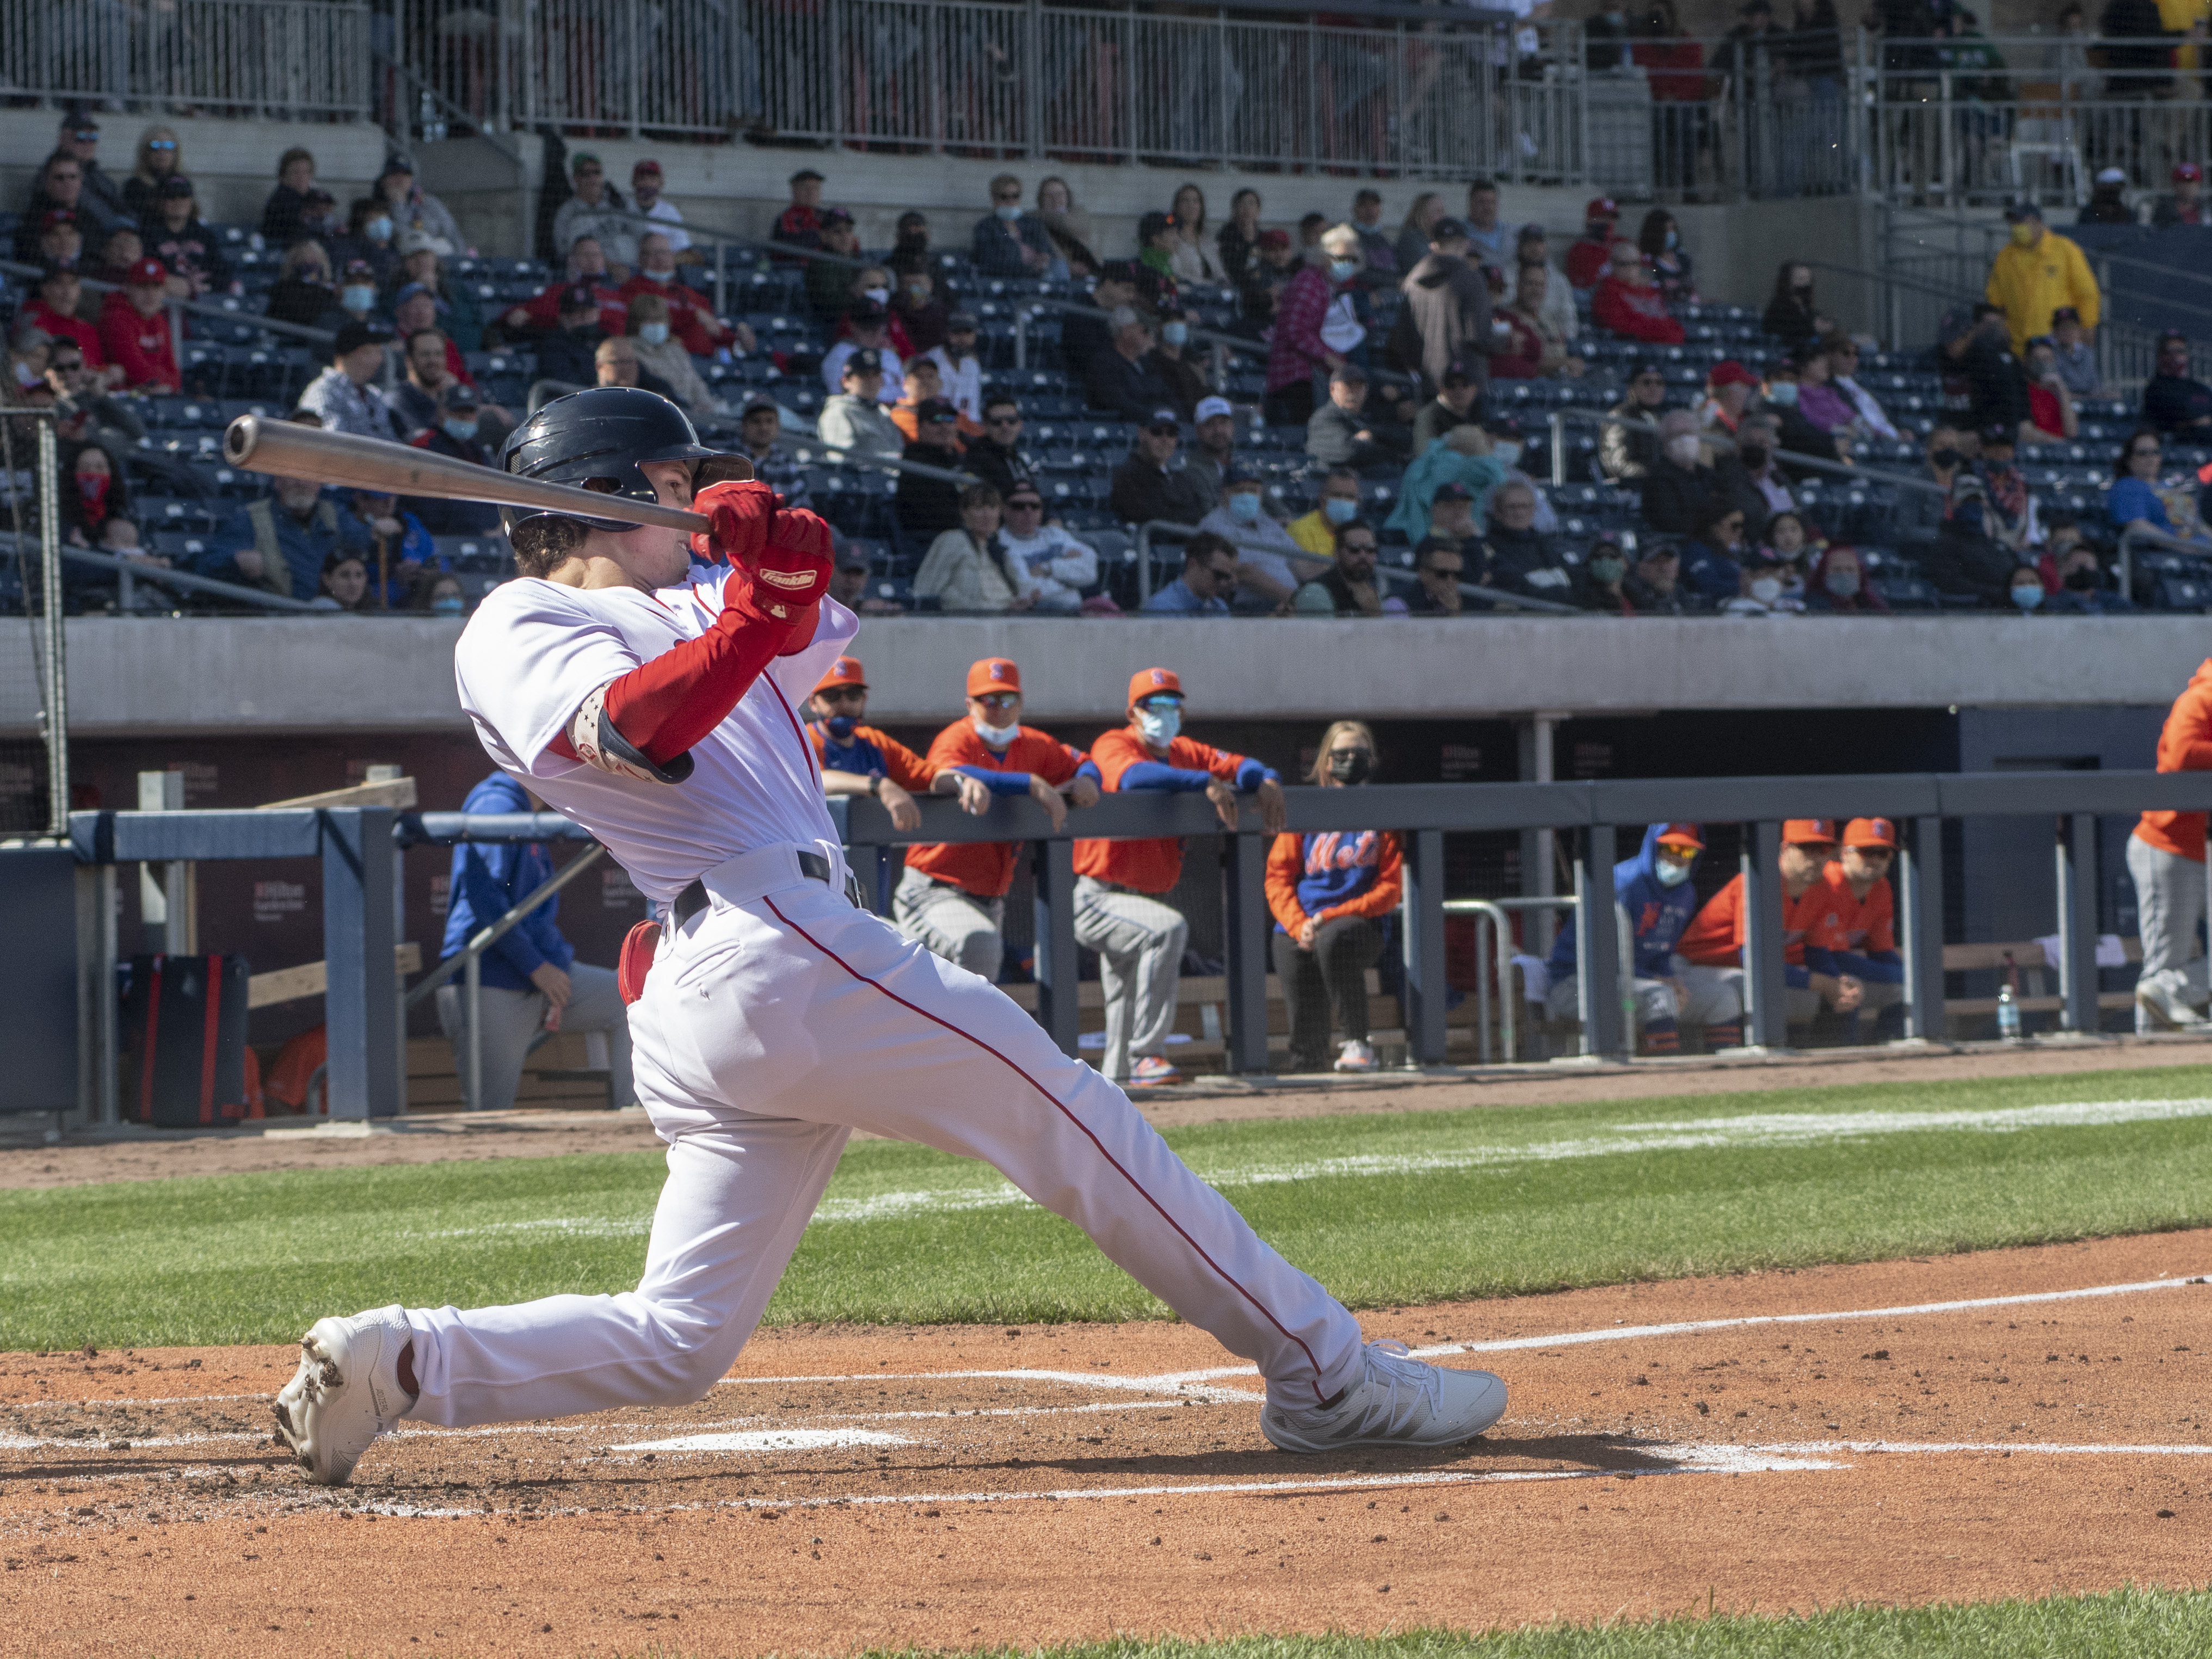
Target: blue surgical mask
[[660, 276], [1159, 727], [377, 228], [1670, 875], [1244, 507], [839, 726], [448, 604], [1175, 333], [1672, 241], [460, 431], [1506, 453], [1843, 584], [1009, 211], [1783, 393], [1343, 270], [653, 333], [357, 297], [2027, 597], [1338, 510]]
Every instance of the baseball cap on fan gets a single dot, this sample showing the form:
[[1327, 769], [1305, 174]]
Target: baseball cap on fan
[[845, 671], [1871, 832], [1154, 682], [148, 272], [1210, 407], [992, 674]]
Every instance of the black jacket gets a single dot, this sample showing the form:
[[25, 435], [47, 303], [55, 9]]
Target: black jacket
[[444, 517], [2173, 401], [1675, 500], [997, 465], [1131, 390], [1525, 563], [1084, 338], [1143, 491], [928, 507]]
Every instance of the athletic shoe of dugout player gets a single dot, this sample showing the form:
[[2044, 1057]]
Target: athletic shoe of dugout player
[[1357, 1057], [1397, 1402], [1152, 1069], [2169, 1009], [345, 1393]]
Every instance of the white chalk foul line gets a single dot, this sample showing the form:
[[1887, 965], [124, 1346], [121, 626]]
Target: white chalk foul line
[[766, 1440]]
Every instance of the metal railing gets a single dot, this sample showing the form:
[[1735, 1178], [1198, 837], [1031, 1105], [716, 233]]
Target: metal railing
[[240, 58], [2132, 538], [1787, 458], [129, 573]]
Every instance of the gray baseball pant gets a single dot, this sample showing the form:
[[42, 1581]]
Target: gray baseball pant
[[951, 922], [1140, 943], [514, 1022]]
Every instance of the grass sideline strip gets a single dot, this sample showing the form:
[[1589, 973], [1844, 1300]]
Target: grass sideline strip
[[1393, 1213]]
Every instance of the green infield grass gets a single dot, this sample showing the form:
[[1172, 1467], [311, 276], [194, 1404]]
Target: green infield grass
[[1385, 1210]]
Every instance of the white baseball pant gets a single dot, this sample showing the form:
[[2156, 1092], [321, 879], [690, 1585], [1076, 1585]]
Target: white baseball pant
[[952, 922], [774, 1023], [1140, 943]]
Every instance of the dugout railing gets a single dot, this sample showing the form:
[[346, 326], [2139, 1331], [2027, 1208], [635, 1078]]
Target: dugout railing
[[358, 846]]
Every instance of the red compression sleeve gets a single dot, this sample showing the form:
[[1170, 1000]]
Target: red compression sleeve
[[667, 705]]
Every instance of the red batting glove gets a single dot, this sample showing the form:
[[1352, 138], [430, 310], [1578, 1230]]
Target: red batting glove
[[741, 513], [789, 576]]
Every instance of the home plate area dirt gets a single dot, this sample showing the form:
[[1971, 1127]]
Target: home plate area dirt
[[1847, 1435]]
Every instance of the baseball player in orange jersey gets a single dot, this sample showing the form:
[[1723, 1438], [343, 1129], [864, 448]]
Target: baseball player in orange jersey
[[857, 759], [1810, 927], [952, 898], [1865, 910], [1118, 912], [776, 1017], [2165, 861]]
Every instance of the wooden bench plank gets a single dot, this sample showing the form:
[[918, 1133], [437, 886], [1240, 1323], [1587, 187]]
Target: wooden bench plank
[[311, 979]]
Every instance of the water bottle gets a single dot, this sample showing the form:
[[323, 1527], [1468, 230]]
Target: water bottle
[[2009, 1003]]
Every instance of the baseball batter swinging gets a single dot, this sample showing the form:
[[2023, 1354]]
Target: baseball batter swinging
[[777, 1017]]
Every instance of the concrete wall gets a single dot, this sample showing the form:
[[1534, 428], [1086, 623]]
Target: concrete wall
[[144, 677]]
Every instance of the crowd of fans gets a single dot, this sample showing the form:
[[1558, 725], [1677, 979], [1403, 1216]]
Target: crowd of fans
[[1334, 418]]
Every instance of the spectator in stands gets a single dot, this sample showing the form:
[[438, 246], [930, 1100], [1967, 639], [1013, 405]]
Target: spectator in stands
[[1008, 242], [1659, 241], [2025, 588], [1375, 246], [929, 508], [2073, 354], [280, 541], [586, 268], [1340, 433], [960, 369], [60, 239], [1626, 303], [1653, 587], [1332, 894], [370, 238], [134, 330], [1456, 475], [910, 251], [1654, 888], [78, 139], [1443, 314], [2010, 514], [696, 327], [2036, 272], [1310, 226], [1120, 884], [1752, 478], [865, 330], [1455, 404], [1534, 246], [853, 420], [122, 249], [1338, 504], [1514, 557], [646, 181], [461, 312], [1969, 560], [1119, 380], [967, 568], [1208, 578], [1819, 401], [1712, 557], [410, 209], [175, 236], [159, 158], [1681, 486], [1056, 567], [648, 332], [1215, 429], [1838, 582], [419, 400], [1347, 587], [437, 594], [343, 584], [343, 397], [1489, 241], [1238, 241], [760, 442], [996, 456], [2174, 401], [829, 278], [1625, 453], [922, 382], [801, 224], [84, 411], [461, 433], [1997, 387], [1729, 389], [355, 298], [1415, 232], [2050, 413], [1591, 256], [96, 493], [54, 311], [1067, 225], [1085, 336], [2075, 581], [1792, 315], [1843, 373], [566, 355], [1146, 487], [1439, 566], [303, 291], [1602, 582], [1532, 347], [849, 584], [1274, 263], [2185, 205], [614, 362], [1192, 257], [59, 189], [918, 309], [399, 546], [2136, 501], [1316, 327], [1182, 374], [1270, 566], [288, 203], [2107, 203]]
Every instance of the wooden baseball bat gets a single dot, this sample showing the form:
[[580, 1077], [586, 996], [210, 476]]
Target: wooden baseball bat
[[285, 450]]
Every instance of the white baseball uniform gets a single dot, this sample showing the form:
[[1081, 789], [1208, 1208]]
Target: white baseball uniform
[[781, 1018]]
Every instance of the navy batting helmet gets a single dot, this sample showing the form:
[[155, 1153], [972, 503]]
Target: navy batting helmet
[[595, 439]]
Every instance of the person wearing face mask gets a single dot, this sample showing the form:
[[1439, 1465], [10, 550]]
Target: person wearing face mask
[[458, 432], [1121, 885], [1811, 930], [1837, 583], [857, 759], [1654, 888], [437, 594], [646, 324], [94, 495], [1332, 894], [1338, 504], [865, 329], [1270, 565], [1172, 361], [1751, 478], [1120, 380], [2037, 271], [1006, 242], [1678, 492], [411, 208], [696, 329], [1970, 557], [354, 300], [1660, 240], [2075, 581], [368, 238], [921, 316], [1763, 588], [952, 898], [910, 245], [1792, 315], [303, 291], [1600, 581], [1317, 326]]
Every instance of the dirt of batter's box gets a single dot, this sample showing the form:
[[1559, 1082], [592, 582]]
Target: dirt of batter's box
[[964, 1487]]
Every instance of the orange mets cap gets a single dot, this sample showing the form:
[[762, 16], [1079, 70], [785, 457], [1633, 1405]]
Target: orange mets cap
[[1797, 830], [845, 671], [993, 674], [1685, 835], [1152, 682], [1871, 832]]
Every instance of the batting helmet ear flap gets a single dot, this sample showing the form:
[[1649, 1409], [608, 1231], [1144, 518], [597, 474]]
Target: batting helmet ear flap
[[722, 469]]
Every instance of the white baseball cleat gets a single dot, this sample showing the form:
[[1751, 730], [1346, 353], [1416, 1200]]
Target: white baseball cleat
[[1357, 1057], [345, 1393], [2169, 1008], [1397, 1402]]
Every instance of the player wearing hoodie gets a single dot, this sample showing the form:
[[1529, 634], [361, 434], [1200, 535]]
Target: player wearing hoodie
[[1654, 888]]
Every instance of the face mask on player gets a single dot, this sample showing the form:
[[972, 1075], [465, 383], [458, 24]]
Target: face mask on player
[[841, 726], [1159, 725], [997, 737]]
